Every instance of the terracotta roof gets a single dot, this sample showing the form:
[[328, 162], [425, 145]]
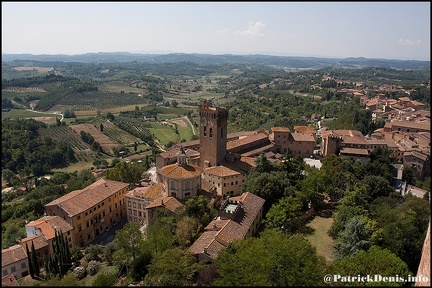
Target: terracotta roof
[[348, 136], [221, 232], [175, 151], [176, 171], [206, 185], [169, 203], [9, 280], [258, 150], [150, 192], [203, 241], [221, 171], [246, 140], [305, 129], [38, 240], [47, 225], [303, 137], [79, 201], [13, 254], [355, 151], [409, 124], [280, 129]]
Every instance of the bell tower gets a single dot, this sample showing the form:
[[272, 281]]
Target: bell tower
[[213, 134]]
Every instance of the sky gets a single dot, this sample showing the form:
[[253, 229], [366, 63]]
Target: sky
[[385, 30]]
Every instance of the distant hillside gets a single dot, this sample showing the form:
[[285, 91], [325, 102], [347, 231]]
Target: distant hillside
[[279, 61]]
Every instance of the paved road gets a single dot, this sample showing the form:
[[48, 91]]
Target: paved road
[[108, 236], [190, 123]]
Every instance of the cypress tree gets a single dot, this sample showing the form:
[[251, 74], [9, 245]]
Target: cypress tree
[[36, 266], [30, 262]]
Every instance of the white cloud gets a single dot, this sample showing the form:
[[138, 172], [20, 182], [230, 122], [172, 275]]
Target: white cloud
[[407, 42], [223, 31], [254, 29]]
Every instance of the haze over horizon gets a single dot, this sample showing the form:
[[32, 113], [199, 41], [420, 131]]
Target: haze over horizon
[[384, 30]]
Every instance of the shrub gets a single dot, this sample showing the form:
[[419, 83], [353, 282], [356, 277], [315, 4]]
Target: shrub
[[79, 272], [105, 279], [93, 267]]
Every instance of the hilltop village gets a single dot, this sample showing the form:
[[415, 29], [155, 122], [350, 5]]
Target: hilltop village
[[215, 166]]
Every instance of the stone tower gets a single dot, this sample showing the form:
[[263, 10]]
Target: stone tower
[[213, 134]]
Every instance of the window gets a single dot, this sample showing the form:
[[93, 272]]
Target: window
[[86, 213], [5, 272], [23, 265], [79, 228], [13, 269], [129, 204], [211, 132], [205, 131], [87, 224], [98, 205], [78, 217], [221, 132], [139, 205], [134, 205], [68, 233], [139, 214], [134, 212], [130, 211]]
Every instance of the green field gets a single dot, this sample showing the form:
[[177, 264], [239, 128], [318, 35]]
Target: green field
[[19, 113], [164, 133], [320, 239]]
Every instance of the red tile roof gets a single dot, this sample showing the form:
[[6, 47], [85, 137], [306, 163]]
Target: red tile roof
[[13, 254], [9, 281], [49, 224], [169, 203], [176, 171], [280, 129], [79, 201], [38, 241], [221, 232]]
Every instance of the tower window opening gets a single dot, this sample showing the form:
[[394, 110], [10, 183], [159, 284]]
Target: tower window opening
[[205, 131], [211, 132]]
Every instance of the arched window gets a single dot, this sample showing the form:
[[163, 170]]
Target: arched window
[[173, 185], [211, 132], [205, 131], [188, 185], [221, 132]]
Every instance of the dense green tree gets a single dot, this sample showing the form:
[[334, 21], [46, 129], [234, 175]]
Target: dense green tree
[[128, 240], [263, 164], [404, 226], [269, 186], [287, 215], [187, 231], [274, 259], [172, 267], [374, 261], [125, 172], [139, 266], [355, 237]]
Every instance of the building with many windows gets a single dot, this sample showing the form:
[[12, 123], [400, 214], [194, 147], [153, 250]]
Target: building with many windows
[[91, 210]]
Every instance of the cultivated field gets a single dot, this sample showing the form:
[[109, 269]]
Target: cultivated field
[[83, 151], [106, 142]]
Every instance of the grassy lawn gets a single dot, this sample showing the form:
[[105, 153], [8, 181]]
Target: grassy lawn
[[320, 239], [164, 133], [185, 133]]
